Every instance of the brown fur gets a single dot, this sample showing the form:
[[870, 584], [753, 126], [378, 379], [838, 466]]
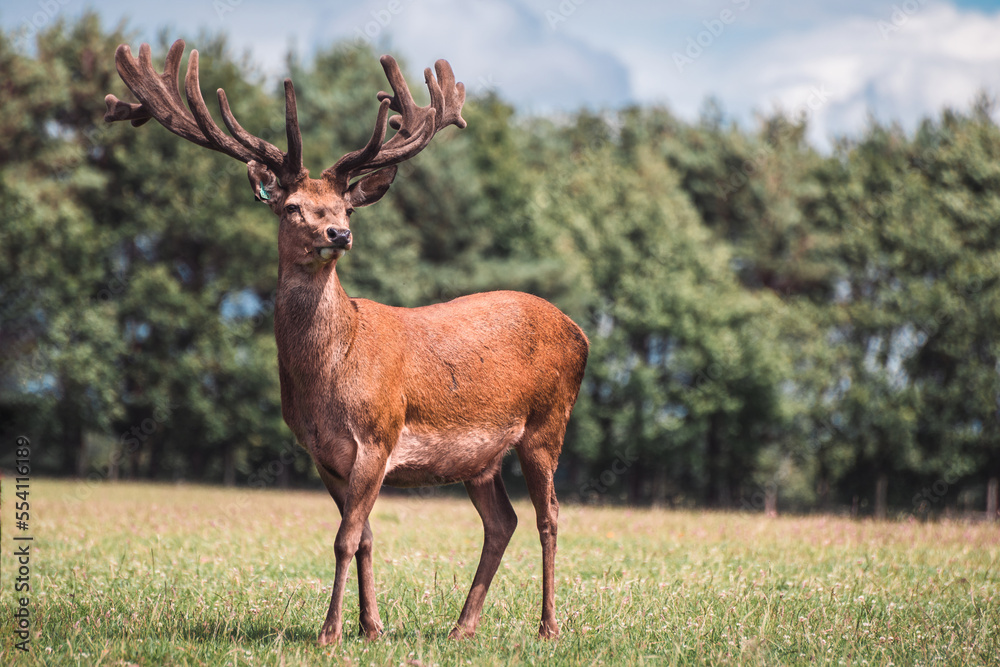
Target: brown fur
[[405, 397]]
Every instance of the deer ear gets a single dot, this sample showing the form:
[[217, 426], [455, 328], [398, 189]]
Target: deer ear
[[370, 189], [264, 183]]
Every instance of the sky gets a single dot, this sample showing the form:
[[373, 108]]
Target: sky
[[838, 63]]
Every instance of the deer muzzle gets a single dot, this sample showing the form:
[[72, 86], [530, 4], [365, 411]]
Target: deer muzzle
[[340, 242]]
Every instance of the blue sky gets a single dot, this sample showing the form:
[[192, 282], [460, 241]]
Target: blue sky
[[837, 62]]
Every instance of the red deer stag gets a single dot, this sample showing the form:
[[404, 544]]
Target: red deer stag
[[381, 395]]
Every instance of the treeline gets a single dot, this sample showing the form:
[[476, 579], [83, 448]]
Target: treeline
[[771, 326]]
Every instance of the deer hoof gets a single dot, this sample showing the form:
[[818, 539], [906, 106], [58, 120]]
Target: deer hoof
[[371, 631], [327, 637], [458, 632], [548, 630]]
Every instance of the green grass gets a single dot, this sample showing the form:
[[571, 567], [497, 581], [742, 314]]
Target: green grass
[[183, 575]]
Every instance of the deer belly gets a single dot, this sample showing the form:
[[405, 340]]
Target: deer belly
[[423, 458]]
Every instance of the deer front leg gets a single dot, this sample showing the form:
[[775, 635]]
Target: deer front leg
[[362, 490], [371, 624]]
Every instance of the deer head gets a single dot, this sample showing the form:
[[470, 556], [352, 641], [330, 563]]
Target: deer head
[[315, 213]]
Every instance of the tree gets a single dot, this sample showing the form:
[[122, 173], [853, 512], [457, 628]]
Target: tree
[[684, 378]]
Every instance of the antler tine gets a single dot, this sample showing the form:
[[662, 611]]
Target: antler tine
[[216, 139], [172, 67], [139, 113], [437, 97], [159, 97], [402, 101], [293, 158], [270, 154], [415, 125], [450, 111], [361, 156], [118, 110]]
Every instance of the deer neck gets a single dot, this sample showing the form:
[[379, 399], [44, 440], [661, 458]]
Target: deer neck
[[314, 321]]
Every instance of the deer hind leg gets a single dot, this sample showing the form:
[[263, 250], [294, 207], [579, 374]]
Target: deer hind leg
[[370, 625], [539, 454], [490, 498]]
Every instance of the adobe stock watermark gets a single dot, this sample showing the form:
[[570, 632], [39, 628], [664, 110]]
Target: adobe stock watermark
[[264, 476], [883, 202], [114, 287], [562, 12], [933, 494], [714, 28], [129, 443], [818, 98], [224, 7], [764, 498], [900, 16], [596, 486], [365, 35], [29, 26], [487, 85], [924, 329], [247, 326]]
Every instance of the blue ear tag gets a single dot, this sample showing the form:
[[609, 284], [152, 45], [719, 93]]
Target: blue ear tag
[[263, 193]]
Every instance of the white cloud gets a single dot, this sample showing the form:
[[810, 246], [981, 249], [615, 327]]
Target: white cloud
[[934, 58], [901, 61], [560, 54], [498, 44]]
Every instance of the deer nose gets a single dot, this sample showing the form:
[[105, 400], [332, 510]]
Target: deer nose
[[338, 237]]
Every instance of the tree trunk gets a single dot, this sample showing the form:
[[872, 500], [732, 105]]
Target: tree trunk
[[881, 495], [73, 440], [822, 487], [114, 464], [771, 500], [195, 468], [992, 499], [133, 464], [155, 456], [660, 483], [714, 464], [634, 478], [228, 466], [82, 453]]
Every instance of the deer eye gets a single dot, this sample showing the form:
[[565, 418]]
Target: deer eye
[[292, 209], [350, 212]]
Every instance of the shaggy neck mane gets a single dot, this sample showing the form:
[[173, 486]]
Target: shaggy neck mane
[[314, 321]]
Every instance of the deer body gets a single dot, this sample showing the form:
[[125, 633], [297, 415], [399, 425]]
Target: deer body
[[383, 395], [451, 398]]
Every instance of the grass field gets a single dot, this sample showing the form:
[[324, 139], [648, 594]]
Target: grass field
[[184, 575]]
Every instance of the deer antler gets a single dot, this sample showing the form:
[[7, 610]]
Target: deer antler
[[416, 125], [159, 97]]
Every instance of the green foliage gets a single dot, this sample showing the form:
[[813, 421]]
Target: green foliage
[[766, 321]]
